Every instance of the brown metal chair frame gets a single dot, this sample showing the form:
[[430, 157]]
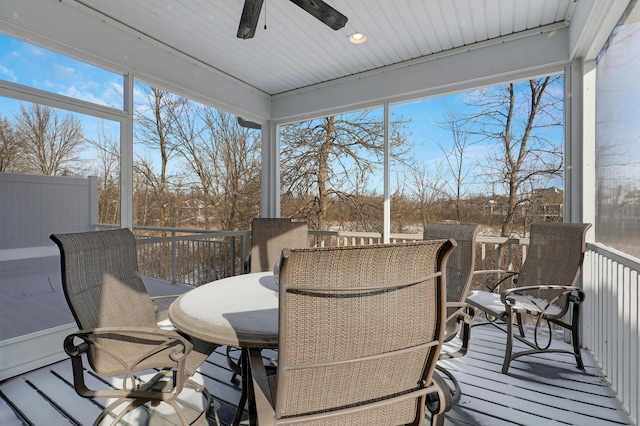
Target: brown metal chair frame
[[544, 288], [460, 267], [119, 335], [347, 351]]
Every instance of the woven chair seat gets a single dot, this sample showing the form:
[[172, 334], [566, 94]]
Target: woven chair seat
[[544, 287], [527, 304]]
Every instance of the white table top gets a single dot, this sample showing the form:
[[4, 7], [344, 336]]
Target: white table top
[[236, 311]]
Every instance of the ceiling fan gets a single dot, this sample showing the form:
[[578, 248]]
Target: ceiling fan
[[317, 8]]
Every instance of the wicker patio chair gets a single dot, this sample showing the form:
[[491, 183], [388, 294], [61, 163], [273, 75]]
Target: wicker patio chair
[[360, 330], [269, 236], [544, 289], [459, 276], [119, 335]]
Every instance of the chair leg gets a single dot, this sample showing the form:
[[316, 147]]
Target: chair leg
[[439, 403], [465, 334], [235, 367], [454, 390], [244, 375], [207, 401], [509, 348], [108, 409], [437, 420], [520, 324], [575, 335]]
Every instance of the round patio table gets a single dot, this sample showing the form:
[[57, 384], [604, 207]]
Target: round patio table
[[237, 311]]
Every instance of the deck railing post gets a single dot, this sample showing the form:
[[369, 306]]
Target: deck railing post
[[483, 256], [174, 263], [233, 256]]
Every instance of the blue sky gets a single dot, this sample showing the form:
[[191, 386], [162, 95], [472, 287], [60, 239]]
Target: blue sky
[[39, 68], [29, 65], [32, 66]]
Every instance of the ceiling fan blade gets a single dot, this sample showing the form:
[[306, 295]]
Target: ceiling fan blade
[[249, 19], [323, 12]]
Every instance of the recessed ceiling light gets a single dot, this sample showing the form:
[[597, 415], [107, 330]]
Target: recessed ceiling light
[[357, 38]]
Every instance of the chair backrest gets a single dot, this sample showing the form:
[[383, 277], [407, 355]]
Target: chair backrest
[[101, 281], [270, 235], [554, 255], [360, 328], [102, 285], [461, 262]]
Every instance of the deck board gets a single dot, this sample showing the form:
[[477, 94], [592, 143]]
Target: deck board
[[539, 390]]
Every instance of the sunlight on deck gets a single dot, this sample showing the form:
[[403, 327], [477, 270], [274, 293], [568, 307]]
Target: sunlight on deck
[[539, 390]]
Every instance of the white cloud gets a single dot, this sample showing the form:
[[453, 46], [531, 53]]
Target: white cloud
[[44, 84], [63, 73], [34, 50], [111, 95], [8, 73], [73, 92]]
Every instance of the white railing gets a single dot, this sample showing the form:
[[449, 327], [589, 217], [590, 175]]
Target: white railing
[[195, 256], [610, 320], [515, 248], [189, 256], [349, 238]]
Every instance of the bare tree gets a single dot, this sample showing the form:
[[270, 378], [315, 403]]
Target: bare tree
[[515, 119], [146, 200], [10, 147], [51, 143], [106, 166], [235, 154], [189, 131], [457, 163], [202, 153], [225, 158], [324, 160], [154, 129], [428, 187]]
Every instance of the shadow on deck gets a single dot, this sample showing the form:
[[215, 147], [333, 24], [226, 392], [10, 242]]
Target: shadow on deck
[[538, 390]]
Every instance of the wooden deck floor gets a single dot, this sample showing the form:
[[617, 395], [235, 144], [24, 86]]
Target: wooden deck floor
[[539, 390]]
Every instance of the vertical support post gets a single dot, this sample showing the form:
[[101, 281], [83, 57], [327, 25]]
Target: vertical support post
[[126, 156], [270, 185], [585, 73], [93, 202], [386, 227]]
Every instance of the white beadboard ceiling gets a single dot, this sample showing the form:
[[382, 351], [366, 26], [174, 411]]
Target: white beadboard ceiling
[[297, 51]]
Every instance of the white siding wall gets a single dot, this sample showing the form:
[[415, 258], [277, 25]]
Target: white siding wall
[[33, 310]]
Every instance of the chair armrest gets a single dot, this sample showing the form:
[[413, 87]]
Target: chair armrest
[[156, 300], [576, 294], [464, 312], [515, 295], [490, 271], [162, 310], [161, 339], [261, 389]]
